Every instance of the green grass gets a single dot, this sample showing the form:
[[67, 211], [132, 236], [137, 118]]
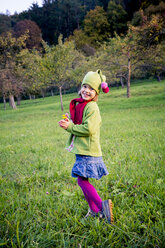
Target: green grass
[[41, 204]]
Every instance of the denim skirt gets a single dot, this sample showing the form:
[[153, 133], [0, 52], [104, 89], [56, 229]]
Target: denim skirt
[[89, 167]]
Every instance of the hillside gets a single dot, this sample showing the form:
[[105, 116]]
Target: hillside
[[41, 204]]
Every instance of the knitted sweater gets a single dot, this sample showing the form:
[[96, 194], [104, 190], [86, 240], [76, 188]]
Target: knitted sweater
[[85, 138]]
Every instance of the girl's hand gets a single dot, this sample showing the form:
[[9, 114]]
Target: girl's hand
[[64, 123]]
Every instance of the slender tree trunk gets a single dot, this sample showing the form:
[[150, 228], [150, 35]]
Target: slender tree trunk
[[30, 97], [121, 81], [43, 93], [18, 101], [4, 102], [158, 77], [52, 93], [129, 78], [12, 102], [60, 89], [78, 25]]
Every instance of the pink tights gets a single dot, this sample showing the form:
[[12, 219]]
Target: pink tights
[[90, 193]]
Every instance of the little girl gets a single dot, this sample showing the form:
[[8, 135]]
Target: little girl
[[84, 141]]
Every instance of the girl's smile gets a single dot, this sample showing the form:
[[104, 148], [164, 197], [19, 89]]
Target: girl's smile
[[87, 92]]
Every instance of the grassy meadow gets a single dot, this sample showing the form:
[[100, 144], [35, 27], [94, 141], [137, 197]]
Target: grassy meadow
[[41, 204]]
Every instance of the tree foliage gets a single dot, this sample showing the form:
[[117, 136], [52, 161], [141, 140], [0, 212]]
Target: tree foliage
[[32, 68], [117, 18], [146, 3], [61, 60], [96, 26], [125, 56], [5, 23], [151, 31], [10, 46], [64, 16], [50, 69], [154, 10], [34, 39]]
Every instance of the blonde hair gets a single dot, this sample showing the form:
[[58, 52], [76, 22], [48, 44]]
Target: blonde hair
[[95, 99]]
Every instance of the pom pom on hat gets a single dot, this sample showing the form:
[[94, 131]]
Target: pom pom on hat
[[104, 87]]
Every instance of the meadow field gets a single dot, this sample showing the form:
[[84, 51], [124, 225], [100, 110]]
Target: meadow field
[[41, 204]]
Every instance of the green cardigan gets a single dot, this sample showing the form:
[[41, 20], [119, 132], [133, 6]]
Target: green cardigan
[[85, 138]]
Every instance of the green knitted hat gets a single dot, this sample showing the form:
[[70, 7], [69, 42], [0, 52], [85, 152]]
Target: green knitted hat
[[94, 80]]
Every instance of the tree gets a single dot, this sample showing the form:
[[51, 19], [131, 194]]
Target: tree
[[82, 42], [52, 68], [152, 30], [78, 73], [141, 49], [150, 36], [131, 6], [137, 19], [122, 55], [154, 10], [104, 4], [71, 15], [5, 23], [61, 60], [32, 71], [55, 18], [147, 3], [11, 84], [117, 18], [96, 26], [34, 39], [154, 63], [9, 48], [79, 37]]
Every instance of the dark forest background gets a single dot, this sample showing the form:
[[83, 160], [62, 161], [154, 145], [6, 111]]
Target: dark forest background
[[57, 17]]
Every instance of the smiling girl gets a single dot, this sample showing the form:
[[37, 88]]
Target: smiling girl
[[84, 141]]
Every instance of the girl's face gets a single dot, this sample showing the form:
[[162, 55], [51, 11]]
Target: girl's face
[[87, 92]]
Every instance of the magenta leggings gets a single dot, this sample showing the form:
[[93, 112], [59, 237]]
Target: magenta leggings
[[90, 193]]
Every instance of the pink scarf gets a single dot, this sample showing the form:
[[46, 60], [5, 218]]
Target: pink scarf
[[76, 110]]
